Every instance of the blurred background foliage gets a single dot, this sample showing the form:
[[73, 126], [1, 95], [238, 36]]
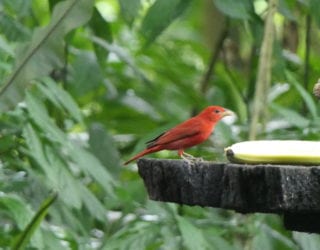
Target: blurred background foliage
[[85, 83]]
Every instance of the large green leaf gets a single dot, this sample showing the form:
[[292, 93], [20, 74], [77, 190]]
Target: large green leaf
[[28, 232], [314, 9], [73, 192], [103, 147], [235, 9], [39, 115], [305, 95], [307, 241], [9, 24], [291, 116], [57, 175], [18, 209], [86, 75], [61, 98], [45, 51], [89, 164], [193, 238], [102, 29], [20, 212], [129, 9], [160, 15]]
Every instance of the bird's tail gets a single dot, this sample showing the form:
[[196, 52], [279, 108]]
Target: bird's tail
[[142, 153]]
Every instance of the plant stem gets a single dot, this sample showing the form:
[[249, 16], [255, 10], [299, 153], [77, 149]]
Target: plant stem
[[263, 81], [204, 83], [307, 59]]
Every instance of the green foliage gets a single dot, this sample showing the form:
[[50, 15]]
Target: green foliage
[[87, 83], [235, 9], [130, 9], [45, 50], [27, 233], [160, 15]]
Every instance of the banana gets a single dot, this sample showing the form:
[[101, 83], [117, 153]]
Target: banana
[[275, 152]]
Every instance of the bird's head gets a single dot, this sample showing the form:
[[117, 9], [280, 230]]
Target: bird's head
[[215, 113]]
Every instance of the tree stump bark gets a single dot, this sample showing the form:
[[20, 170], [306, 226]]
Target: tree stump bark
[[291, 191]]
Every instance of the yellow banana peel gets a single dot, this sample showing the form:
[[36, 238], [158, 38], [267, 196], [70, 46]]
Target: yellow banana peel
[[275, 152]]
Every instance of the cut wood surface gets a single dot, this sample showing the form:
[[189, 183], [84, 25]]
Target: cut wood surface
[[292, 191]]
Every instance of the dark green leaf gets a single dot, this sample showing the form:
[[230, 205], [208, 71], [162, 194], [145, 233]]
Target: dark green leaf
[[103, 147], [160, 15], [57, 174], [62, 98], [92, 166], [86, 75], [192, 237], [40, 116], [236, 9], [93, 204], [305, 95], [314, 8], [20, 211], [102, 29], [129, 9], [27, 233]]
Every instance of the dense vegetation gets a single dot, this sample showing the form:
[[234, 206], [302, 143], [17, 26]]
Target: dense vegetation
[[85, 83]]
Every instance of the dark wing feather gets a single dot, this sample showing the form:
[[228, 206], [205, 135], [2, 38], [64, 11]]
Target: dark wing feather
[[186, 129], [153, 141]]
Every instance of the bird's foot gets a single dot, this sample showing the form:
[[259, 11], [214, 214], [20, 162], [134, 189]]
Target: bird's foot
[[190, 158]]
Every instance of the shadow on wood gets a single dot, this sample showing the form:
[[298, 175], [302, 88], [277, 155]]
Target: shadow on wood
[[291, 191]]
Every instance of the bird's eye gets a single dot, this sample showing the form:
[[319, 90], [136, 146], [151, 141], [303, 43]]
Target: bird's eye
[[217, 111]]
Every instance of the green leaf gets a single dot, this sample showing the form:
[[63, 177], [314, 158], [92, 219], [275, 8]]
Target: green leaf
[[307, 241], [314, 8], [57, 175], [62, 180], [19, 210], [160, 15], [92, 166], [92, 203], [291, 116], [103, 147], [261, 240], [239, 9], [234, 93], [45, 51], [40, 116], [62, 98], [305, 95], [25, 236], [86, 75], [34, 144], [122, 54], [192, 237], [102, 29], [129, 9], [10, 27]]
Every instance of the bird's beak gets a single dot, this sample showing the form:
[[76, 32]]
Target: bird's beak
[[227, 113]]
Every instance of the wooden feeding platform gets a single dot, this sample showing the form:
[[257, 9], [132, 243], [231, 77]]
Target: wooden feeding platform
[[288, 190]]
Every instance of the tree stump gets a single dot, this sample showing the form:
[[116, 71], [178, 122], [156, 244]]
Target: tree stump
[[291, 191]]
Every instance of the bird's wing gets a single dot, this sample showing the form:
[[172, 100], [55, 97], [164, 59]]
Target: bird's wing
[[186, 129]]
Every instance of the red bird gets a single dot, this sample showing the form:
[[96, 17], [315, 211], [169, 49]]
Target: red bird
[[187, 134]]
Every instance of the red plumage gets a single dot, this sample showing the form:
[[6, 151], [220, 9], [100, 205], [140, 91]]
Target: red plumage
[[187, 134]]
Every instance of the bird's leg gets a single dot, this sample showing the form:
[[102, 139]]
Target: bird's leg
[[188, 157]]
